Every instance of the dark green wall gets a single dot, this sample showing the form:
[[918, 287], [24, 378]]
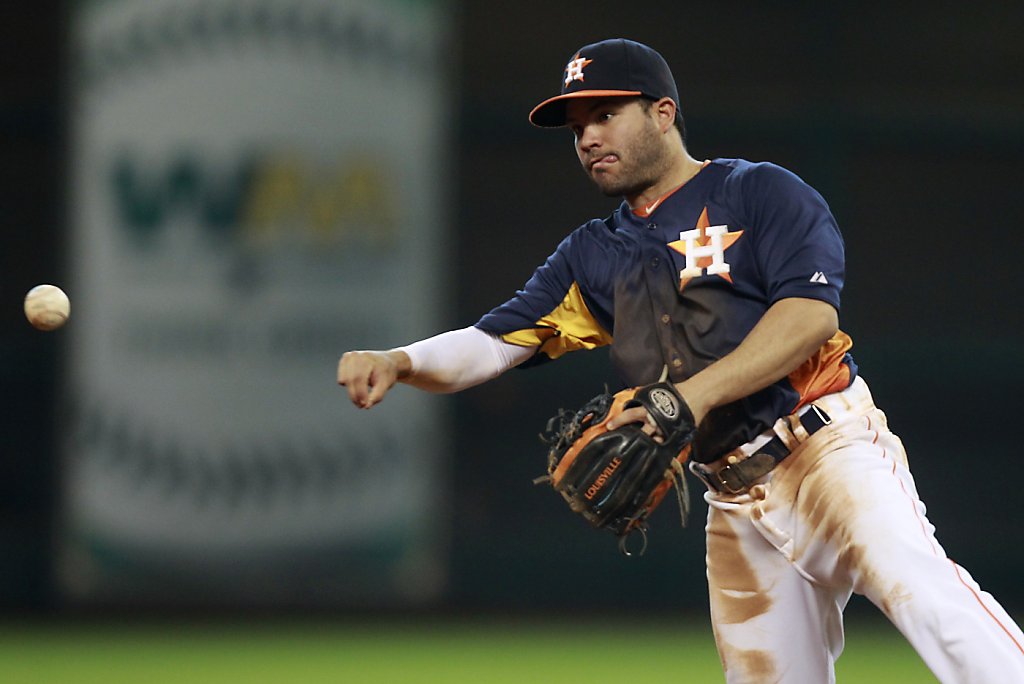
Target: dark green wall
[[909, 119]]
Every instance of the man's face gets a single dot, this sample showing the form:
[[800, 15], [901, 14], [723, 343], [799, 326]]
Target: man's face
[[618, 143]]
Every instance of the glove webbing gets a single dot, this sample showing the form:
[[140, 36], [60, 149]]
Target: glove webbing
[[678, 475]]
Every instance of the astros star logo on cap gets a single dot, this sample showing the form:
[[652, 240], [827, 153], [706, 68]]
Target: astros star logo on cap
[[574, 69]]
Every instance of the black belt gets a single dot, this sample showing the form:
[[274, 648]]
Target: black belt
[[736, 478]]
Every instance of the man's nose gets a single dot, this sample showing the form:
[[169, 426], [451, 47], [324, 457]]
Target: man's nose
[[589, 138]]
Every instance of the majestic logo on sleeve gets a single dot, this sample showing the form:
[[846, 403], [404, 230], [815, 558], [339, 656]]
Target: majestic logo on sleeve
[[704, 247], [574, 69]]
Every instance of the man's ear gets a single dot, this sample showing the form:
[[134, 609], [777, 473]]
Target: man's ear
[[665, 108]]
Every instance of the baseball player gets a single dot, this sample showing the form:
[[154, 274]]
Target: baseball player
[[728, 274]]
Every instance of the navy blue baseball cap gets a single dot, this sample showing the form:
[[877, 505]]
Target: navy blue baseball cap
[[609, 68]]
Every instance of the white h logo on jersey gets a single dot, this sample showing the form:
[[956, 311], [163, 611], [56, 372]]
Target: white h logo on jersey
[[694, 251]]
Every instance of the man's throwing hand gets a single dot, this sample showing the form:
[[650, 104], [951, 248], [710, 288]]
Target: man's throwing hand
[[368, 375]]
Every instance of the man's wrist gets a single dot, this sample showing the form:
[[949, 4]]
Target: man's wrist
[[694, 399], [404, 367]]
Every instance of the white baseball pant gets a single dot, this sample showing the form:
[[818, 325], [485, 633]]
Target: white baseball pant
[[839, 515]]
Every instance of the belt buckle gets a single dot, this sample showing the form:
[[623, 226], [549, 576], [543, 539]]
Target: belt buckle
[[733, 472], [716, 481]]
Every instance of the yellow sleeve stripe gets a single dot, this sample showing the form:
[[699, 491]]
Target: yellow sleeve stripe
[[568, 328]]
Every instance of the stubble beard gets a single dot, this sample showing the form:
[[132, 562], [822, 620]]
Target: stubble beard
[[641, 166]]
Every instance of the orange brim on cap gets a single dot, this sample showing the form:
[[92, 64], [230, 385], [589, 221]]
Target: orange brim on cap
[[545, 115]]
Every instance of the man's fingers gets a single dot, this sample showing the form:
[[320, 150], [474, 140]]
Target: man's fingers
[[637, 414], [347, 368], [358, 389], [379, 384], [353, 374]]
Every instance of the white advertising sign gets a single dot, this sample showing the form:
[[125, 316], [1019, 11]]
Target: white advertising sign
[[257, 186]]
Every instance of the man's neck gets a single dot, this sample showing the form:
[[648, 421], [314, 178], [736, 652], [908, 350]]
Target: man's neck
[[682, 170]]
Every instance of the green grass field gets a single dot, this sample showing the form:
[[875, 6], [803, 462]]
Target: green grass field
[[480, 650]]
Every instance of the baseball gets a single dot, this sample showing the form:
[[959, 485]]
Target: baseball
[[47, 307]]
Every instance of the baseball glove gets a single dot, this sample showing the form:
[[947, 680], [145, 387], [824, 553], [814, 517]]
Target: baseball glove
[[616, 478]]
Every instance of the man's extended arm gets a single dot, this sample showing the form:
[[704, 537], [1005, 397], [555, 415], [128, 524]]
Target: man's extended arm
[[448, 362]]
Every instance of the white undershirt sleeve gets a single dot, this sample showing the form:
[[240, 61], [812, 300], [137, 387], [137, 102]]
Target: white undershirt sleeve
[[458, 359]]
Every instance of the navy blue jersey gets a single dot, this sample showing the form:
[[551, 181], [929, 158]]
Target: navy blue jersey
[[680, 284]]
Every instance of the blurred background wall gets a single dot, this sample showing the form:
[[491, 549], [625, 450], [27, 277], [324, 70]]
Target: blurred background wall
[[908, 117]]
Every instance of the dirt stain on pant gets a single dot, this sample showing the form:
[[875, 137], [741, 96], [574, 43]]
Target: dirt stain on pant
[[736, 597], [736, 594]]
